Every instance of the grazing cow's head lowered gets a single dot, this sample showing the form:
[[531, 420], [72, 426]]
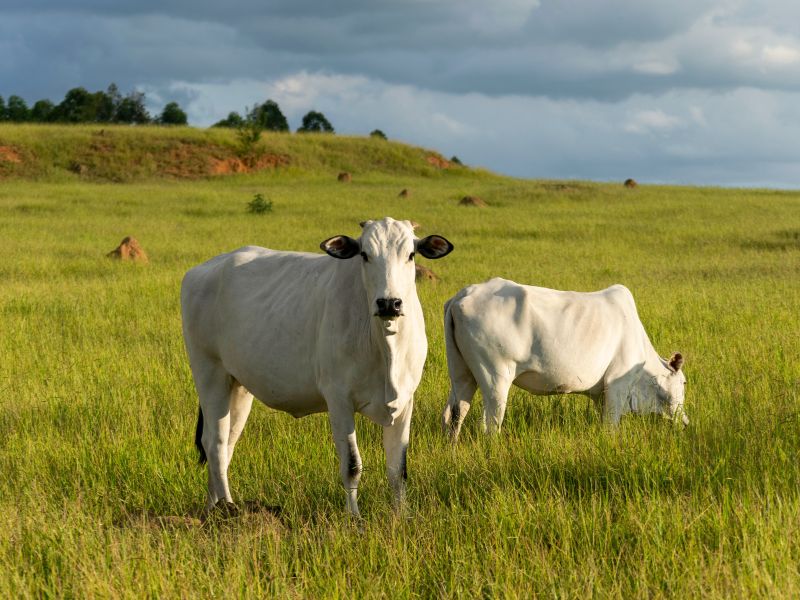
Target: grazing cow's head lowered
[[675, 388], [665, 392], [386, 249]]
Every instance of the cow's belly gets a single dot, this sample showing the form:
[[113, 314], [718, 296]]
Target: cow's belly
[[544, 384], [285, 385], [298, 402]]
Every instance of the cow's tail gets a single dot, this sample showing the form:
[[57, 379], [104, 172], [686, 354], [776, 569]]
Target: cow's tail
[[198, 437], [462, 381]]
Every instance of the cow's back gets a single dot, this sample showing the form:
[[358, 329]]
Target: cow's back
[[552, 340]]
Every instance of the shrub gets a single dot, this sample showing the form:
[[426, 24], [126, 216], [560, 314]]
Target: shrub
[[259, 205], [249, 135], [377, 133], [454, 159]]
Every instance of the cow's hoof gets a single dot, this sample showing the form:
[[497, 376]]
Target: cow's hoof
[[227, 509], [222, 511]]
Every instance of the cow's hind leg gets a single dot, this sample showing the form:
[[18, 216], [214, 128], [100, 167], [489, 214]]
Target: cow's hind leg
[[343, 428], [214, 390], [494, 388], [241, 401], [462, 391], [462, 381]]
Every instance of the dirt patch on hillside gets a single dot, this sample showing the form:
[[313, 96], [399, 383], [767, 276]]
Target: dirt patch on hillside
[[10, 154], [438, 162], [110, 158], [232, 164]]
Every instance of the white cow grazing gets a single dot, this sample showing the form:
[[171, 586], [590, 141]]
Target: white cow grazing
[[305, 334], [547, 342]]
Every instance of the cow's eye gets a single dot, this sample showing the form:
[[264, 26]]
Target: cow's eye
[[364, 256], [411, 256]]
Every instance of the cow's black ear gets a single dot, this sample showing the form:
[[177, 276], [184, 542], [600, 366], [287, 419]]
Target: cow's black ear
[[341, 246], [434, 246], [676, 362]]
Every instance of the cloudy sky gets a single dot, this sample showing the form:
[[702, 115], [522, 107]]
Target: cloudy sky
[[679, 91]]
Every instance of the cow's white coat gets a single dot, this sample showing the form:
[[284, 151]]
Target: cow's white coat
[[299, 331], [547, 341]]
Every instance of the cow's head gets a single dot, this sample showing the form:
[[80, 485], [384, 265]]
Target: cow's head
[[670, 390], [386, 250]]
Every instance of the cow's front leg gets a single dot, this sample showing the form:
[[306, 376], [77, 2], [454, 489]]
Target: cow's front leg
[[344, 436], [616, 401], [395, 444]]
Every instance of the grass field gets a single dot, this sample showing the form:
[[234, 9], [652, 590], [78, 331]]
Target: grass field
[[98, 475]]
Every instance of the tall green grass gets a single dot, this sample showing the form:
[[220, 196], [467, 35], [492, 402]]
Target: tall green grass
[[98, 475]]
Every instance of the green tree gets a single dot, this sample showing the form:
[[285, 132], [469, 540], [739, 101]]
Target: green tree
[[233, 120], [17, 110], [114, 95], [106, 104], [173, 115], [131, 109], [315, 122], [42, 111], [377, 133], [269, 116], [2, 109], [78, 106]]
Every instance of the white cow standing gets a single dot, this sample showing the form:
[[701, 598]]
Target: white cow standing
[[307, 334], [547, 342]]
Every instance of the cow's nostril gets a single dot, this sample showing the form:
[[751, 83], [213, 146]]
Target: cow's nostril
[[389, 307]]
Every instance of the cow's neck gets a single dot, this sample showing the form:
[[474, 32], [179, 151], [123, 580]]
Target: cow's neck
[[644, 398], [653, 363], [392, 345]]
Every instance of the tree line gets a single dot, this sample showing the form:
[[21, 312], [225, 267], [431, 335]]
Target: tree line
[[82, 106], [269, 117]]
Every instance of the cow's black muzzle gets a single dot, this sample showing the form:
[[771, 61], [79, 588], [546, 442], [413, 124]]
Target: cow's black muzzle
[[389, 308]]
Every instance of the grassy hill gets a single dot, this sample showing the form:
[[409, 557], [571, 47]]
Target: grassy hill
[[98, 473], [126, 154]]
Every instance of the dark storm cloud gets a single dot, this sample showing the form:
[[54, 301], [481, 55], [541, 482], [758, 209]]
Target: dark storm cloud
[[605, 49]]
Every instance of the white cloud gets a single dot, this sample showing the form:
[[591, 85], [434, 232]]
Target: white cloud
[[657, 67], [652, 121], [698, 116], [780, 55]]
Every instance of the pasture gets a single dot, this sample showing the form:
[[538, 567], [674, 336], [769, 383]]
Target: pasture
[[98, 477]]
